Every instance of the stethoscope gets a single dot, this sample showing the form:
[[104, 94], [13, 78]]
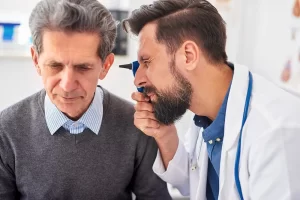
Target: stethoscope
[[238, 152]]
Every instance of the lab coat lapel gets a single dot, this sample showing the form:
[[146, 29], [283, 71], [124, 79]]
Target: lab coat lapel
[[196, 147], [233, 122], [203, 162]]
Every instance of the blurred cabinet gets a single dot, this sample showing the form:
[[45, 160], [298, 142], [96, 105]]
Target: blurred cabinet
[[122, 38]]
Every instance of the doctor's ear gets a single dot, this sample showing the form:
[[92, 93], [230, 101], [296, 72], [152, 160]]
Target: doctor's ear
[[106, 65], [34, 56], [190, 54]]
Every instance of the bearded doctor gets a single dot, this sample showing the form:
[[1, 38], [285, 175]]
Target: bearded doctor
[[244, 139]]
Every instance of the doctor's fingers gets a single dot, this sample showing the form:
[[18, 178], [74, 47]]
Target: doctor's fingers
[[142, 124], [144, 115], [144, 106], [138, 96]]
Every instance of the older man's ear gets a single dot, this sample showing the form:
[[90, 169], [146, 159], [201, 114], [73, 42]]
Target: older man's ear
[[34, 56], [106, 65]]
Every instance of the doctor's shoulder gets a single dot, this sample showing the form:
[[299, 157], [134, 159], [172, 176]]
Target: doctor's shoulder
[[271, 142], [272, 109]]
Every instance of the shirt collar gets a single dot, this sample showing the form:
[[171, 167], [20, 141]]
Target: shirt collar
[[214, 129], [92, 118]]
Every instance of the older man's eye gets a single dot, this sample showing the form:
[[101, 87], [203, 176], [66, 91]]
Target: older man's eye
[[56, 66], [83, 67]]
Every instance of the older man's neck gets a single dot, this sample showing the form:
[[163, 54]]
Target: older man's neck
[[76, 116]]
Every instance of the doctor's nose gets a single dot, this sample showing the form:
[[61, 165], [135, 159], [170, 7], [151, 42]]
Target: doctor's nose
[[140, 78]]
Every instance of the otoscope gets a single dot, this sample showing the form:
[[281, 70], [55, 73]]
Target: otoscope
[[134, 67]]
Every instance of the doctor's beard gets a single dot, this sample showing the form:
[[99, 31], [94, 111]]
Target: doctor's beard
[[171, 104]]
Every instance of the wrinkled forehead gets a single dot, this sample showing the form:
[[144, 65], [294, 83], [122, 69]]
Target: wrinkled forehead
[[147, 43], [144, 48]]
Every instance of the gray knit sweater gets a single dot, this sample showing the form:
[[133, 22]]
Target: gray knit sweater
[[35, 165]]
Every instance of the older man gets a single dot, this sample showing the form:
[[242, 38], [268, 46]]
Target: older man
[[74, 139]]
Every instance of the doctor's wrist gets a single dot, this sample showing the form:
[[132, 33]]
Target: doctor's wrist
[[165, 134], [167, 144]]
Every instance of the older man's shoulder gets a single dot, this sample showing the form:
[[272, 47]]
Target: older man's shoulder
[[23, 110]]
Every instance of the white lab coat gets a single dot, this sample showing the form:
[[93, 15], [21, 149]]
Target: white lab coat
[[269, 162]]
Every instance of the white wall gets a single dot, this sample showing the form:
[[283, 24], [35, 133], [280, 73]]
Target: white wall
[[264, 39]]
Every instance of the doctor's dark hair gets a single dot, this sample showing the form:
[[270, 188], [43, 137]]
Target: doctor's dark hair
[[74, 16], [181, 20]]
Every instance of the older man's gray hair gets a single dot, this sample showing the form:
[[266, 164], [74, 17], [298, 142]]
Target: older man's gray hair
[[73, 16]]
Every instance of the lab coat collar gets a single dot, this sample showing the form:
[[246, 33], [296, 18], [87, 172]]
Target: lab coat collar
[[233, 122], [235, 106]]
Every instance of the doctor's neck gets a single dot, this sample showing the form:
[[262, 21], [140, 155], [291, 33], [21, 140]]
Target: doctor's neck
[[210, 86]]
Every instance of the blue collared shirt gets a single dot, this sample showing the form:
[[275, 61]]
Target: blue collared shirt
[[213, 135], [91, 119]]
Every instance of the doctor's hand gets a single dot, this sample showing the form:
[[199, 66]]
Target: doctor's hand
[[145, 120], [165, 136]]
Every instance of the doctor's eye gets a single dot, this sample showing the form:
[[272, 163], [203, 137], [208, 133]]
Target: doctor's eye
[[147, 63]]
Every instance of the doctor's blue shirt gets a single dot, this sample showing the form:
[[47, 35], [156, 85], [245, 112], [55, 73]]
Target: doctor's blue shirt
[[213, 136]]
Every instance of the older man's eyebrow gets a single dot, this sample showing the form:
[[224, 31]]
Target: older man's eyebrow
[[79, 64], [84, 64], [53, 63]]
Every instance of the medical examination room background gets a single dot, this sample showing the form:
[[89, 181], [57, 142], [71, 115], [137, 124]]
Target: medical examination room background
[[262, 34]]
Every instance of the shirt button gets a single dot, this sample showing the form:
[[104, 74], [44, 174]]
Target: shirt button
[[210, 142], [218, 140]]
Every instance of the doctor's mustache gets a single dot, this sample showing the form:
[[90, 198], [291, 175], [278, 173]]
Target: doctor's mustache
[[149, 89]]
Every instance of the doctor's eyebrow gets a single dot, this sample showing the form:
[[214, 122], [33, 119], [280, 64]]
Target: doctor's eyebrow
[[143, 58]]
